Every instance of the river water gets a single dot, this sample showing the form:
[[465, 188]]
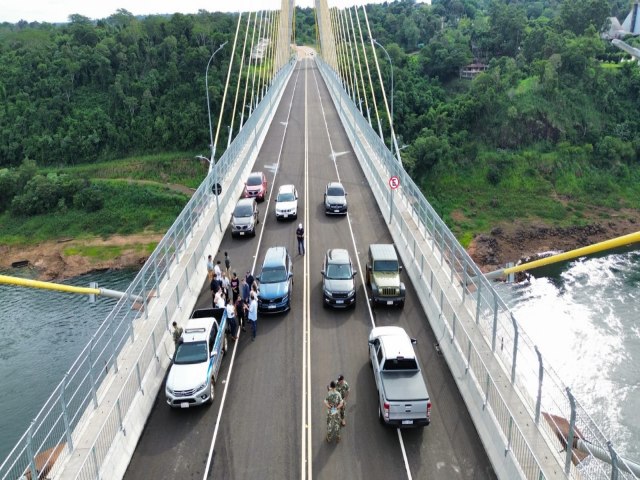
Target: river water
[[584, 317], [42, 333]]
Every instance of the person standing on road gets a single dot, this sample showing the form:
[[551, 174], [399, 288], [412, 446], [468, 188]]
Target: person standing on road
[[253, 316], [217, 270], [227, 262], [210, 268], [231, 318], [343, 388], [249, 279], [177, 333], [300, 237], [235, 287], [241, 308], [333, 401], [245, 291], [226, 286]]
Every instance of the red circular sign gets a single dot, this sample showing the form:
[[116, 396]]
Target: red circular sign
[[394, 182]]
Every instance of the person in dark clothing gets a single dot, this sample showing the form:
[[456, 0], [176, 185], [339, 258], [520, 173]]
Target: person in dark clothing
[[241, 309], [300, 237], [235, 286], [227, 262], [249, 279]]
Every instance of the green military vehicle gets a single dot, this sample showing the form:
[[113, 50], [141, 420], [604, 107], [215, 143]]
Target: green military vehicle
[[383, 275]]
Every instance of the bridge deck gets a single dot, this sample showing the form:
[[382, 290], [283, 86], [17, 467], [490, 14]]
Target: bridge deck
[[260, 431]]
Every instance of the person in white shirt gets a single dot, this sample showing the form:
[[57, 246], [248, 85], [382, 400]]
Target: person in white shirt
[[231, 318], [218, 299], [253, 315], [217, 270]]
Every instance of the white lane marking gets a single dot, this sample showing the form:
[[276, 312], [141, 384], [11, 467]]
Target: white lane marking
[[404, 454], [253, 267], [353, 239], [306, 463]]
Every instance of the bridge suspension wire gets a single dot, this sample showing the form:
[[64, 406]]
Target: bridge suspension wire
[[339, 49], [347, 17], [261, 43], [346, 50], [384, 95], [249, 71], [235, 100], [255, 66], [224, 95], [366, 62], [364, 93]]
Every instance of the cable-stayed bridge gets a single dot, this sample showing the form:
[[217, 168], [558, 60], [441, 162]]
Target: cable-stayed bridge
[[306, 119]]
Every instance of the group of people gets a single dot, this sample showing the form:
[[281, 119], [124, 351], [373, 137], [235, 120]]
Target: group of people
[[338, 392], [238, 296]]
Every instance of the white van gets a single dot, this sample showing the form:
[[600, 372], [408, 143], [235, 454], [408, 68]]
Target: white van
[[197, 359]]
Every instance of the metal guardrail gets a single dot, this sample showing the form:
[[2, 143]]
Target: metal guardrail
[[426, 237], [51, 435]]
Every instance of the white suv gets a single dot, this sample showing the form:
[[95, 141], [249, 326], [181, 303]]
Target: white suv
[[287, 202]]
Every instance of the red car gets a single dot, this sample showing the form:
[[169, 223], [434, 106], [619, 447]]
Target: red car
[[255, 186]]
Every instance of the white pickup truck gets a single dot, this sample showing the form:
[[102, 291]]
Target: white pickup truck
[[197, 359], [402, 393]]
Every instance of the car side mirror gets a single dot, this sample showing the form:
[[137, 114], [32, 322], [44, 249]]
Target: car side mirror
[[290, 274], [414, 341], [257, 277], [400, 269], [354, 274], [322, 272], [371, 342], [213, 354]]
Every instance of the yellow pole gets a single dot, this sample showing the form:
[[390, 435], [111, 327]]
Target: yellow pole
[[579, 252], [24, 282]]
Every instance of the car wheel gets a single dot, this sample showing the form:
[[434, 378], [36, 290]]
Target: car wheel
[[212, 393], [401, 304], [253, 233]]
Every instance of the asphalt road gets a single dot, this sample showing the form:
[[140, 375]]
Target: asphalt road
[[268, 419]]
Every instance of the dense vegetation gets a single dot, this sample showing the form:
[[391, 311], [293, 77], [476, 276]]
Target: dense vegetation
[[549, 123], [552, 120]]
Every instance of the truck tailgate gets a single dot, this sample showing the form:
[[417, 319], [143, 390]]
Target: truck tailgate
[[404, 386]]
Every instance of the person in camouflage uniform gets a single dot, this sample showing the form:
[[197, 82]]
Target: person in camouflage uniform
[[343, 388], [333, 402], [177, 333]]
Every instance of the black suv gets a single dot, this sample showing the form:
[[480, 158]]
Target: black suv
[[338, 284], [335, 199]]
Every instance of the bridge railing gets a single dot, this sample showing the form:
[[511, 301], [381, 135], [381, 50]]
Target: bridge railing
[[53, 433], [496, 365]]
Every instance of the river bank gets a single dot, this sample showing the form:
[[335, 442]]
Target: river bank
[[505, 243]]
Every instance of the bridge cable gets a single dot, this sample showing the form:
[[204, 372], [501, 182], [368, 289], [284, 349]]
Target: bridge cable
[[353, 60], [226, 86], [384, 95], [366, 62], [246, 83], [255, 66], [239, 82], [339, 48], [364, 93]]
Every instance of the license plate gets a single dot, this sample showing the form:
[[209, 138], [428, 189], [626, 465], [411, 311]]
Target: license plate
[[286, 215], [337, 211], [241, 233], [407, 422], [339, 301], [184, 404], [271, 306], [389, 302]]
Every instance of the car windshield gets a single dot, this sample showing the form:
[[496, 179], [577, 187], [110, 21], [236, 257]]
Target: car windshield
[[386, 266], [335, 192], [191, 352], [285, 197], [243, 211], [254, 181], [273, 275], [339, 271]]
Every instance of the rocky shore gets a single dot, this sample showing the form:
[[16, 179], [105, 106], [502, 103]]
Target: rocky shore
[[505, 243]]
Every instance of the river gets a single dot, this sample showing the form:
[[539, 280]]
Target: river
[[583, 315], [43, 332]]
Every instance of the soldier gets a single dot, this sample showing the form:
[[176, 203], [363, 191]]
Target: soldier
[[343, 388], [333, 402], [177, 333]]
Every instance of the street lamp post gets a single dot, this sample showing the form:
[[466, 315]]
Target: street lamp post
[[391, 64], [212, 161]]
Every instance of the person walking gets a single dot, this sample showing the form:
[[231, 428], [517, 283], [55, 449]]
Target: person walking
[[235, 287], [218, 300], [333, 402], [245, 291], [343, 388], [177, 333], [227, 262], [253, 316], [249, 279], [300, 237], [241, 308], [231, 318], [217, 270], [226, 286], [210, 268]]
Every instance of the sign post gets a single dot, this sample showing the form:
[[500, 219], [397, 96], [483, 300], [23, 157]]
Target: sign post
[[394, 183]]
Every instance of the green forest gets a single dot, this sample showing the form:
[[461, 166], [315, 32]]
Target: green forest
[[91, 106]]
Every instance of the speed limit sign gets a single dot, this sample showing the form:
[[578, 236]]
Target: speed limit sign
[[394, 182]]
